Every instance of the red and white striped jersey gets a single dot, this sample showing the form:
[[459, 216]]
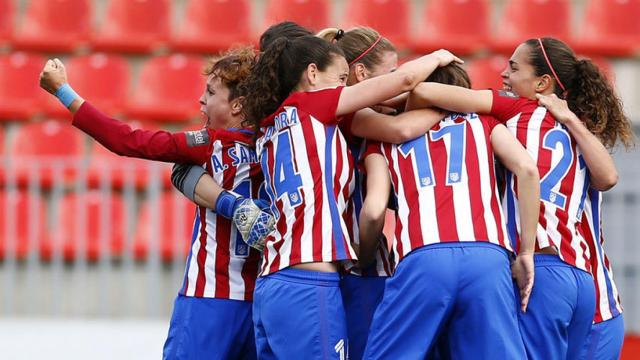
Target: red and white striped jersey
[[607, 298], [563, 177], [220, 264], [383, 264], [309, 177], [445, 185]]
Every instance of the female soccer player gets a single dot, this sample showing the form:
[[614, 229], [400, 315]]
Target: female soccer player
[[450, 239], [607, 331], [295, 97], [570, 159], [369, 55], [212, 312]]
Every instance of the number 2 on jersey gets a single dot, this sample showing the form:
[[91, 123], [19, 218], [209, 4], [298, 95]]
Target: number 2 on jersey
[[455, 154], [556, 140]]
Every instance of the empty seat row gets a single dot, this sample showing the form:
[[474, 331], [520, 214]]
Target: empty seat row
[[168, 87], [608, 28], [52, 153], [93, 225]]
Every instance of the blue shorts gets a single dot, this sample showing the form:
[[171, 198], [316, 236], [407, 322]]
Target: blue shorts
[[560, 310], [206, 328], [460, 292], [604, 341], [298, 314], [361, 296]]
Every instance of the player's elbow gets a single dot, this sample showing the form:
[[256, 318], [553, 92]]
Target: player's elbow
[[373, 210], [408, 80], [527, 169], [606, 182]]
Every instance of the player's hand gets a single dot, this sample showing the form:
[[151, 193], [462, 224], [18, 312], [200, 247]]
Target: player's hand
[[557, 107], [445, 57], [254, 222], [522, 270], [53, 76]]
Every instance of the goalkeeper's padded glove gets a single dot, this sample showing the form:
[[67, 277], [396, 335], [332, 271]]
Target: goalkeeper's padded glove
[[184, 177], [251, 217]]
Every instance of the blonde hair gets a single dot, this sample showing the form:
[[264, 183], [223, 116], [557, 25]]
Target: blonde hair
[[355, 42]]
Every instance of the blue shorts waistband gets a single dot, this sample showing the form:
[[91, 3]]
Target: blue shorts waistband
[[306, 277], [461, 244], [549, 259]]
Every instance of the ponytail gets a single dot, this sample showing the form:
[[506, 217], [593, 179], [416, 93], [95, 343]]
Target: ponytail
[[278, 72], [262, 88], [592, 98], [587, 91]]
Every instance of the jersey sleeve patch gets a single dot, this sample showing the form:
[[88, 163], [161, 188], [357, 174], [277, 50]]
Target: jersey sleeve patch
[[198, 138], [505, 93]]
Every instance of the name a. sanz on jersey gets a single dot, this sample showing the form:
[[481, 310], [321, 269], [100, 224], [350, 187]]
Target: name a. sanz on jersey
[[283, 120], [239, 154]]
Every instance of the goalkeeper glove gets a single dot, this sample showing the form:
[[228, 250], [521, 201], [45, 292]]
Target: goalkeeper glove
[[251, 217]]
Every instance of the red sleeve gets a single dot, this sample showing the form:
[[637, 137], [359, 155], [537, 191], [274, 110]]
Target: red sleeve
[[489, 121], [506, 105], [345, 127], [373, 147], [188, 147], [322, 104]]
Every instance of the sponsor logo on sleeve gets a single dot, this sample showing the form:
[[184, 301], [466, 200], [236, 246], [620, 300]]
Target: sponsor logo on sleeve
[[197, 138], [505, 93]]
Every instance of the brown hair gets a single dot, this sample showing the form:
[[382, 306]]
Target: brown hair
[[452, 74], [586, 89], [232, 68], [278, 72], [356, 41]]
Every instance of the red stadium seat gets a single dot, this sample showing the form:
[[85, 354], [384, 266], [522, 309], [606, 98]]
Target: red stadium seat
[[135, 26], [610, 28], [460, 26], [168, 89], [55, 25], [28, 219], [39, 148], [389, 225], [214, 25], [6, 20], [525, 19], [312, 14], [389, 17], [174, 227], [122, 170], [485, 72], [100, 79], [20, 95], [84, 220]]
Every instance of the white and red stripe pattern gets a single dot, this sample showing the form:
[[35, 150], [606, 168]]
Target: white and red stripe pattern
[[446, 186], [309, 177], [220, 264], [564, 177], [383, 264], [607, 298]]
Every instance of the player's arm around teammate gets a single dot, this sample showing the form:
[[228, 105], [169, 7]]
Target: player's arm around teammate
[[548, 66], [295, 98]]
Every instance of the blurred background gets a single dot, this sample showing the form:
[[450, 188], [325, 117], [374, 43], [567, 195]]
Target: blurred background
[[93, 246]]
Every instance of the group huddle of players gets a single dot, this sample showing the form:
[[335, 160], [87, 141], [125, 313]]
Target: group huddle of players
[[497, 248]]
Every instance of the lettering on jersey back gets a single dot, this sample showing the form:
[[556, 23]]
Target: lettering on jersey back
[[242, 154]]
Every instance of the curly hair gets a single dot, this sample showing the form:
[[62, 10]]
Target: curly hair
[[232, 68], [588, 93], [278, 72]]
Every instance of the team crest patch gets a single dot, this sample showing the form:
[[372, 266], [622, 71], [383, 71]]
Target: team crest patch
[[197, 138], [505, 93]]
